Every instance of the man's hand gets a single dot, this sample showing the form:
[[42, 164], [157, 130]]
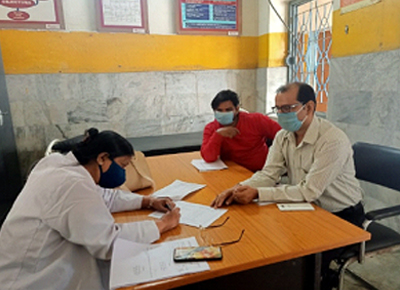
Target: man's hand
[[228, 132], [169, 221], [222, 197], [242, 194]]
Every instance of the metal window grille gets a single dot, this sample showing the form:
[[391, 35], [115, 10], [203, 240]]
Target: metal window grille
[[310, 41]]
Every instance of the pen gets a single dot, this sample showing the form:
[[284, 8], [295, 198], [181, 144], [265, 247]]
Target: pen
[[168, 206]]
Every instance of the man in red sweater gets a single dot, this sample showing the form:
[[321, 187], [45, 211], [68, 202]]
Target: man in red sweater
[[236, 135]]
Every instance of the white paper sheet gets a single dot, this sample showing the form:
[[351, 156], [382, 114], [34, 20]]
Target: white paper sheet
[[202, 166], [194, 214], [135, 263], [178, 189]]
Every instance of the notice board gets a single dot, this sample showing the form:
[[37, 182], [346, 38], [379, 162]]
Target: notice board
[[209, 17], [352, 5], [122, 16], [34, 14]]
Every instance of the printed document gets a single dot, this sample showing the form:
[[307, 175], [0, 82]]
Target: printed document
[[194, 214], [134, 263], [178, 189], [202, 166]]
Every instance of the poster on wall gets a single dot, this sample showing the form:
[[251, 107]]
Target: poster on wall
[[209, 17], [36, 14], [122, 16], [351, 5]]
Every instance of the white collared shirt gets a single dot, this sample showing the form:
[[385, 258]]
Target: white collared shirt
[[320, 169], [60, 228]]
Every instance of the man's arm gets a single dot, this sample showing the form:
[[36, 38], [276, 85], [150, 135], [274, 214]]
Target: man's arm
[[211, 146], [328, 164], [244, 192], [274, 168]]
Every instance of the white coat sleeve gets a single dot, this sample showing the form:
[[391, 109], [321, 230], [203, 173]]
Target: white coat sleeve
[[81, 217], [119, 200]]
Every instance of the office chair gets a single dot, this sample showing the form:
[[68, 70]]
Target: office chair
[[378, 165]]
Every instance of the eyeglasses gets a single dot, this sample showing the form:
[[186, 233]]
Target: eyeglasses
[[285, 108], [205, 240]]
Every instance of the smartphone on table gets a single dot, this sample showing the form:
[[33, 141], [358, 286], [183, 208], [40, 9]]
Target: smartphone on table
[[190, 254]]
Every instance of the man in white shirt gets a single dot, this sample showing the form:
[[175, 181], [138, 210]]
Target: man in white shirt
[[316, 156]]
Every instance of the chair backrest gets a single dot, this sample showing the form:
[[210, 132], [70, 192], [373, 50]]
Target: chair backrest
[[377, 164]]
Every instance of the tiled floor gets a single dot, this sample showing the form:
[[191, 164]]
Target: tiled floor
[[383, 272]]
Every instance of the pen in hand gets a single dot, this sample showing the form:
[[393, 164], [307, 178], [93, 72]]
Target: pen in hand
[[168, 206]]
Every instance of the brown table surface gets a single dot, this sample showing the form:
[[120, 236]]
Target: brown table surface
[[270, 236]]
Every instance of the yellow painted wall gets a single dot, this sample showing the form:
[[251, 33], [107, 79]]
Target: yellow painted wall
[[371, 29], [26, 52], [272, 49]]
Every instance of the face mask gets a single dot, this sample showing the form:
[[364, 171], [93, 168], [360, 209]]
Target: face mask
[[225, 118], [289, 121], [113, 177]]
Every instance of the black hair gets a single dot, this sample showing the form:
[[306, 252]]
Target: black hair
[[223, 96], [306, 92], [96, 142]]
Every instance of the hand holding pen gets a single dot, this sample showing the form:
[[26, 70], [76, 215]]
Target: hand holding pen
[[163, 204]]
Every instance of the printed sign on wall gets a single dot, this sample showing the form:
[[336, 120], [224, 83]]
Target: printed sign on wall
[[45, 14], [209, 17], [351, 5], [122, 16]]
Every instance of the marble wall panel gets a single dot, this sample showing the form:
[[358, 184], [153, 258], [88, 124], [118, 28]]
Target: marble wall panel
[[276, 77], [341, 77], [21, 87], [261, 86], [138, 128], [58, 106], [180, 95], [17, 113], [364, 102], [351, 107], [209, 84], [185, 124]]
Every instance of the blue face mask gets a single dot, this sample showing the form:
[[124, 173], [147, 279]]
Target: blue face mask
[[224, 118], [113, 177], [289, 121]]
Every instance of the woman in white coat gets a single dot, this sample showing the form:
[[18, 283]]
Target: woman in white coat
[[60, 228]]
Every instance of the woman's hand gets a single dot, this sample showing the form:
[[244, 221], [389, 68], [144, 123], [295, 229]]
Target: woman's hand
[[162, 204], [169, 221]]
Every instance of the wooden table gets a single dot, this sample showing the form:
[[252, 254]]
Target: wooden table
[[270, 237]]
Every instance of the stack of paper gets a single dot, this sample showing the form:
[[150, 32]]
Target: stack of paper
[[133, 263], [177, 190], [194, 214], [201, 165]]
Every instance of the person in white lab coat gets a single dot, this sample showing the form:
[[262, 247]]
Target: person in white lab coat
[[60, 230]]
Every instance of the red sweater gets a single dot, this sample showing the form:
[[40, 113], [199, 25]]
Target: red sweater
[[247, 148]]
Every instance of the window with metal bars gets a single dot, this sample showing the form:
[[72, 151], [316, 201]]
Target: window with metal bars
[[310, 42]]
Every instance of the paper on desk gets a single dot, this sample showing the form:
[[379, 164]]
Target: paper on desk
[[178, 189], [134, 263], [194, 214], [201, 165]]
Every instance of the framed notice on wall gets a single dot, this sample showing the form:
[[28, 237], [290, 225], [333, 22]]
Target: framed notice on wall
[[351, 5], [39, 14], [209, 17], [122, 16]]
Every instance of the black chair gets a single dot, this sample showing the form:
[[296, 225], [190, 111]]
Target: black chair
[[378, 165]]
